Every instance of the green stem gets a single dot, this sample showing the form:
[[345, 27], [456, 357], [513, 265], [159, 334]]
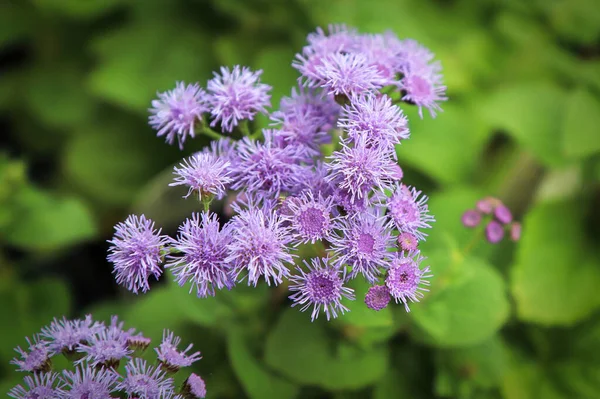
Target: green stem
[[243, 126], [210, 133]]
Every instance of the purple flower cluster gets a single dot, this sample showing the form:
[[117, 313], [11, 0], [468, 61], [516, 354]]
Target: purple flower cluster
[[324, 174], [498, 219], [97, 350]]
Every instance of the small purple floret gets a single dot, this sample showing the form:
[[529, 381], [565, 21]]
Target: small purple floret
[[471, 218], [405, 278], [194, 387], [205, 174], [378, 297], [170, 357], [494, 232], [503, 214]]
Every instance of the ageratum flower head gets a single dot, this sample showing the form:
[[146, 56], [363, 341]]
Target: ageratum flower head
[[267, 168], [377, 118], [378, 297], [205, 174], [235, 95], [136, 252], [259, 246], [409, 210], [176, 112], [145, 382], [194, 387], [107, 347], [34, 360], [170, 357], [320, 286], [64, 335], [38, 386], [362, 242], [90, 382], [359, 168], [311, 217], [405, 278], [384, 52], [201, 250]]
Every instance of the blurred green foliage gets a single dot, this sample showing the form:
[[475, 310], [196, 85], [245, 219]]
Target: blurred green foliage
[[511, 321]]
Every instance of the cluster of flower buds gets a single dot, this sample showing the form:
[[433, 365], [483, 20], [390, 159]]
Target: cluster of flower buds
[[97, 350], [324, 174], [498, 219]]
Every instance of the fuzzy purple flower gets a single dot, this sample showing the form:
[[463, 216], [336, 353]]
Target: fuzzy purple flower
[[176, 112], [310, 216], [362, 242], [345, 74], [338, 38], [171, 358], [64, 335], [194, 387], [259, 246], [322, 286], [266, 168], [136, 252], [377, 118], [201, 248], [36, 359], [494, 232], [383, 51], [405, 278], [471, 218], [235, 95], [89, 382], [378, 297], [203, 173], [145, 382], [408, 242], [409, 211], [486, 205], [107, 347], [38, 386], [360, 169]]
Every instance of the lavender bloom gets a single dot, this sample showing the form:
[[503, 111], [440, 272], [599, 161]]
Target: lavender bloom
[[107, 347], [235, 95], [64, 335], [360, 169], [305, 120], [405, 277], [424, 88], [267, 168], [409, 210], [259, 246], [471, 218], [203, 173], [194, 387], [494, 232], [339, 38], [204, 248], [362, 243], [136, 252], [316, 181], [377, 118], [486, 205], [39, 386], [176, 112], [515, 231], [345, 74], [408, 242], [383, 51], [310, 217], [89, 382], [320, 287], [503, 214], [170, 357], [145, 382], [138, 343], [377, 297], [37, 359]]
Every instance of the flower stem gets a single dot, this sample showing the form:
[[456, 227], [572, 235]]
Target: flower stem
[[210, 133]]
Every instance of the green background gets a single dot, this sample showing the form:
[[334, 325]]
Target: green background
[[522, 123]]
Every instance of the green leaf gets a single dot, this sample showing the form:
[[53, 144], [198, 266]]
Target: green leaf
[[525, 379], [554, 281], [258, 382], [301, 351], [467, 303], [61, 86], [580, 136], [532, 113], [78, 8], [111, 164], [445, 148], [142, 58], [45, 222], [471, 368], [575, 20]]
